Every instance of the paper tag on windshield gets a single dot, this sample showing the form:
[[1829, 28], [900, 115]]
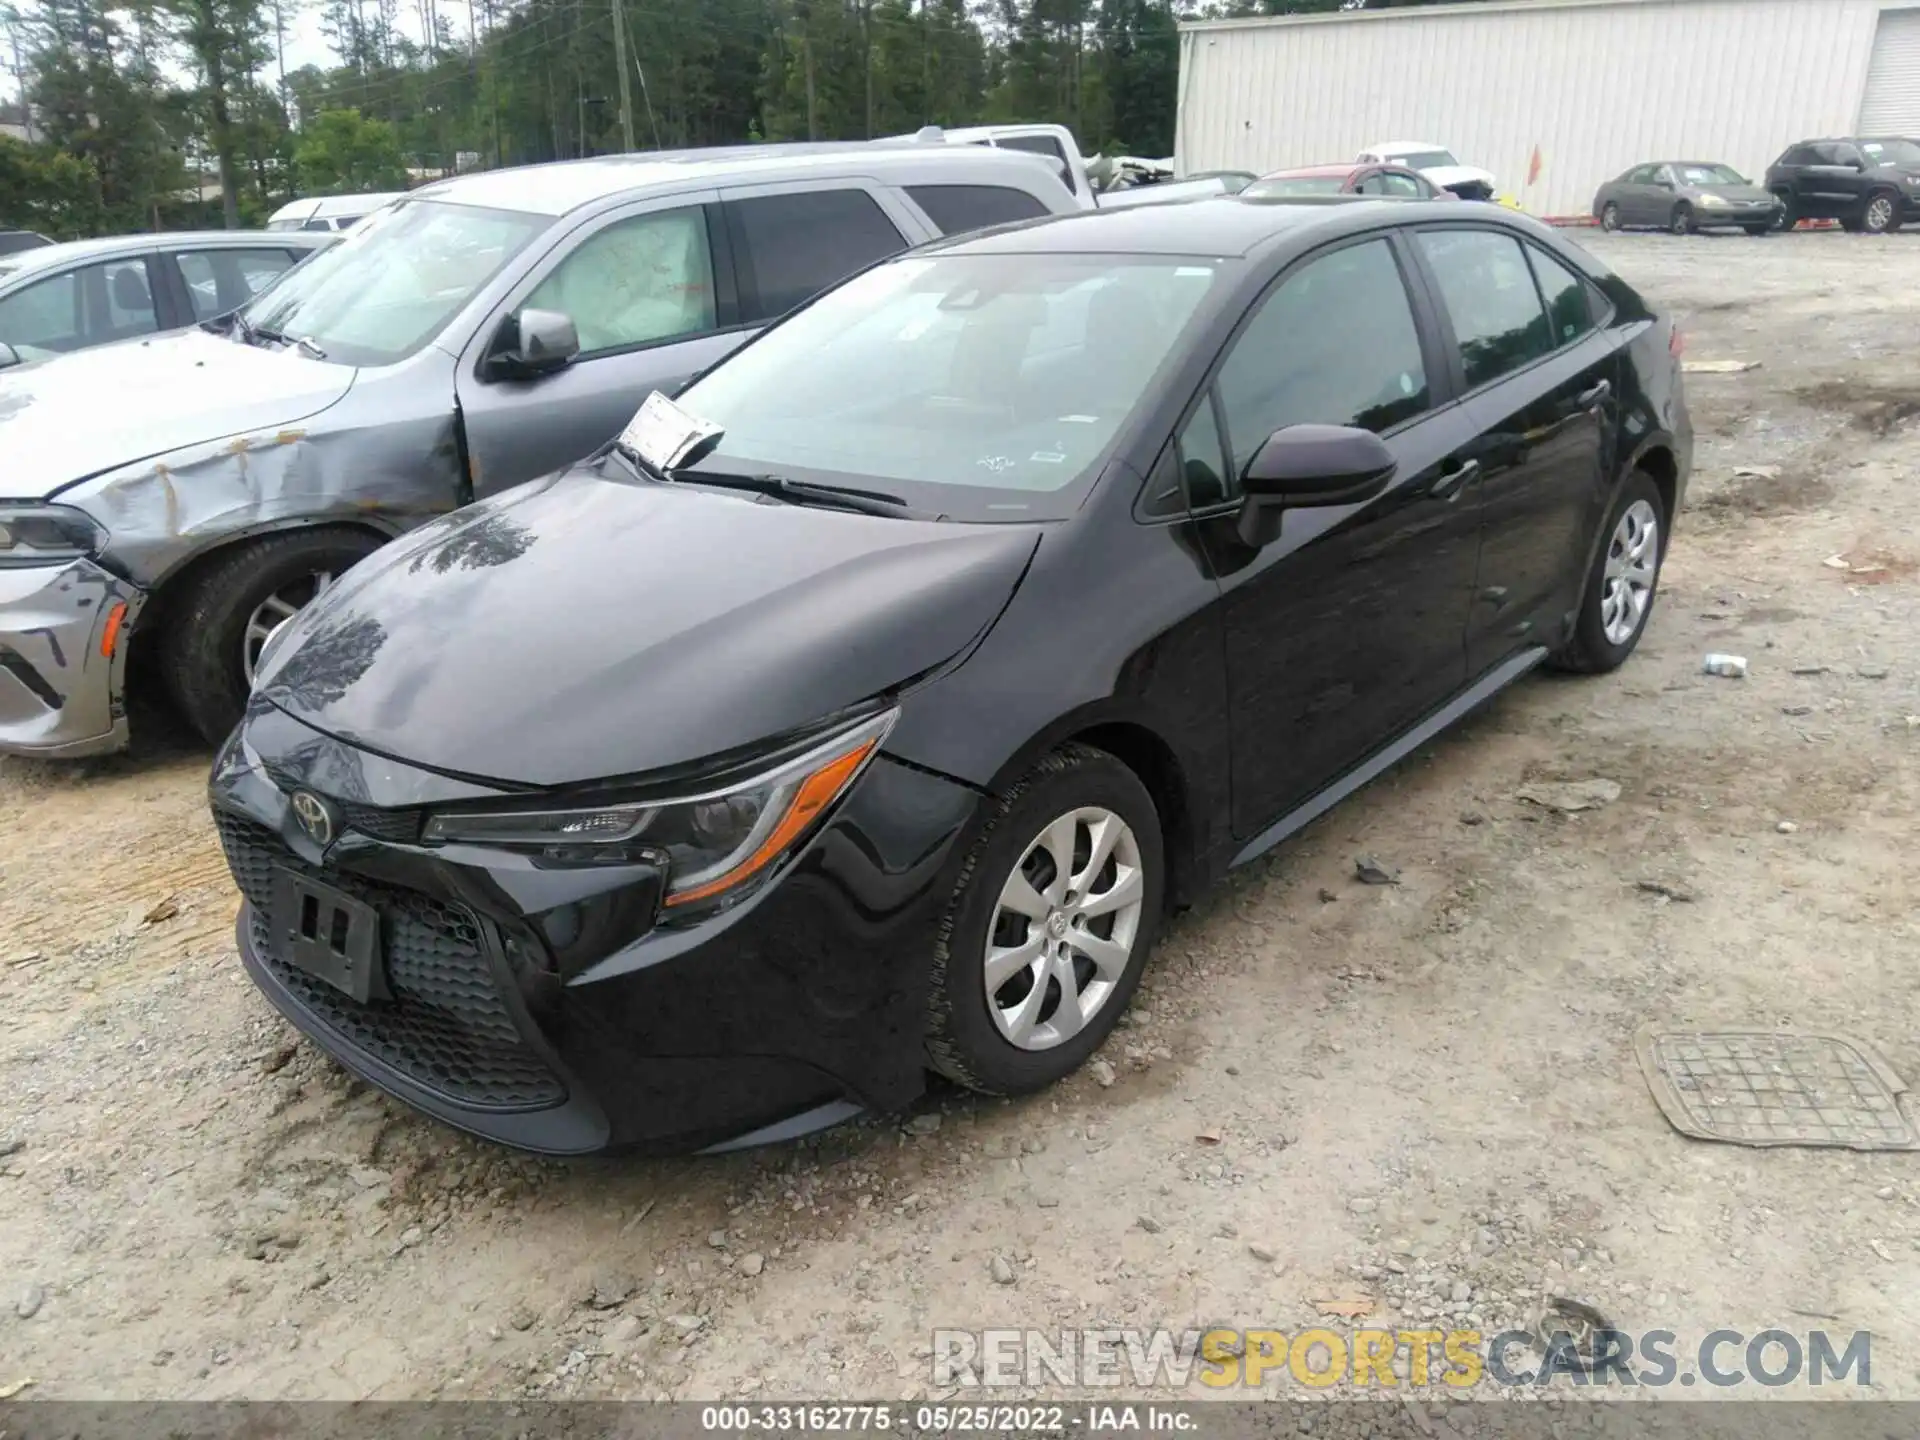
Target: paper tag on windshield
[[663, 435]]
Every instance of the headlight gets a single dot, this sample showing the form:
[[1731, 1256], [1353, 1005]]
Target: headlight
[[713, 844], [1715, 202], [33, 534]]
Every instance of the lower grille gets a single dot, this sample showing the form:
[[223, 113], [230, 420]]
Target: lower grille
[[447, 1027]]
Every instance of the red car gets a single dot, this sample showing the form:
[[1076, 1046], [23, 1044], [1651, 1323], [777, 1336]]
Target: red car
[[1395, 181]]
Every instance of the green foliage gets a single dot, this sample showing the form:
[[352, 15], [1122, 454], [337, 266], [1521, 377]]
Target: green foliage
[[435, 85], [341, 152], [44, 189]]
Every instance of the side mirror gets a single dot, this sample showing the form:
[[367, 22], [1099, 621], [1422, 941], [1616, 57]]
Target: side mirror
[[534, 343], [8, 355], [1857, 166], [1308, 466], [1664, 184]]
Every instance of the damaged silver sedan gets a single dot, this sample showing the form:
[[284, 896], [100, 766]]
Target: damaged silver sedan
[[167, 504]]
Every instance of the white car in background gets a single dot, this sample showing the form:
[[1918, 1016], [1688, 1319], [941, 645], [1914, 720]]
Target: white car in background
[[329, 212], [1436, 162]]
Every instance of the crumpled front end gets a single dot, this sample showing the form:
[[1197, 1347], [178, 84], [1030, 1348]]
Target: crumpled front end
[[546, 1004], [63, 659]]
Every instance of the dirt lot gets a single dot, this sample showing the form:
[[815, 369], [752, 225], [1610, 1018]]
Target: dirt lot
[[1414, 1093]]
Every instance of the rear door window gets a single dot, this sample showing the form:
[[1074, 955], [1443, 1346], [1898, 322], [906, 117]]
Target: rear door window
[[1489, 293], [955, 209], [788, 248]]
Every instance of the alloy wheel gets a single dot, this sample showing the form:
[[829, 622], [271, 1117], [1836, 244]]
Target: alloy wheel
[[273, 612], [1633, 564], [1064, 928], [1879, 214], [1682, 223], [1610, 217]]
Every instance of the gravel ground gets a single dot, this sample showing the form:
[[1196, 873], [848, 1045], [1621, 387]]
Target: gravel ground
[[1421, 1097]]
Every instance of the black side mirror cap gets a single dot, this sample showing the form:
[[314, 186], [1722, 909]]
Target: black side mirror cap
[[1310, 466], [533, 343]]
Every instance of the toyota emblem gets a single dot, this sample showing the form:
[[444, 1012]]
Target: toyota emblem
[[314, 817]]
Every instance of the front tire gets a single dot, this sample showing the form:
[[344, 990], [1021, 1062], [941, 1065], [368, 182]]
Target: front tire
[[1050, 926], [1681, 221], [1610, 216], [1617, 599], [215, 633], [1784, 215], [1882, 213], [1758, 230]]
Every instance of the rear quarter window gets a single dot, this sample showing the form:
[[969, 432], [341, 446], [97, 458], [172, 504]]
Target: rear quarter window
[[955, 209]]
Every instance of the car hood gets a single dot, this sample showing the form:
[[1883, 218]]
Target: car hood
[[590, 626], [1744, 194], [74, 416], [1449, 175]]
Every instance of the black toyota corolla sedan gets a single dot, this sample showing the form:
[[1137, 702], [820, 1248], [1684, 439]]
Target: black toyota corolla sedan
[[865, 709]]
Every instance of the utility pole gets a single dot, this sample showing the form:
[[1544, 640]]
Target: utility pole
[[626, 87]]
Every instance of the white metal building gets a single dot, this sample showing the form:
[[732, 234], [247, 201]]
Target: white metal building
[[1593, 86]]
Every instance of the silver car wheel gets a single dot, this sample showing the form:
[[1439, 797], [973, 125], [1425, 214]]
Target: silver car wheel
[[1879, 213], [1610, 217], [1063, 928], [1633, 564], [273, 612]]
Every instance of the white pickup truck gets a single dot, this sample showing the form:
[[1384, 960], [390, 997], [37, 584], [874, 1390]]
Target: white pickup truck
[[1100, 182]]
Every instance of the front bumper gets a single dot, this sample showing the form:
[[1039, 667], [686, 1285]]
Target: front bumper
[[545, 1009], [61, 686], [1758, 212]]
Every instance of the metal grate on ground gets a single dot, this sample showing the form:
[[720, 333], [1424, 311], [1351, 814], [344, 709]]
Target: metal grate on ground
[[1775, 1087]]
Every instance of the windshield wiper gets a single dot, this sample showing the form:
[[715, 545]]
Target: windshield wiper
[[846, 497], [302, 342]]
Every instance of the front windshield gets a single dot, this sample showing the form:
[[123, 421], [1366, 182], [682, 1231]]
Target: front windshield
[[1891, 152], [1709, 175], [1424, 159], [1283, 185], [979, 387], [394, 281]]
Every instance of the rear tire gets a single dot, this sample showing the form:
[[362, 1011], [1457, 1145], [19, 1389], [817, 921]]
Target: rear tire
[[1605, 634], [206, 650], [1784, 215], [1610, 216], [982, 1035], [1758, 229]]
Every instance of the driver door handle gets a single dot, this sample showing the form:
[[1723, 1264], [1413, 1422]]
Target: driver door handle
[[1449, 485], [1590, 398]]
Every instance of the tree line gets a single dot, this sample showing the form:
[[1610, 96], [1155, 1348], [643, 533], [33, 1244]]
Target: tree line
[[162, 114]]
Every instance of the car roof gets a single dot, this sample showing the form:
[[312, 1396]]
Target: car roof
[[1217, 225], [1304, 172], [106, 247], [564, 186]]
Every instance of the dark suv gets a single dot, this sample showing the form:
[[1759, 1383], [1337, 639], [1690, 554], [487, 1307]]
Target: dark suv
[[1871, 185]]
